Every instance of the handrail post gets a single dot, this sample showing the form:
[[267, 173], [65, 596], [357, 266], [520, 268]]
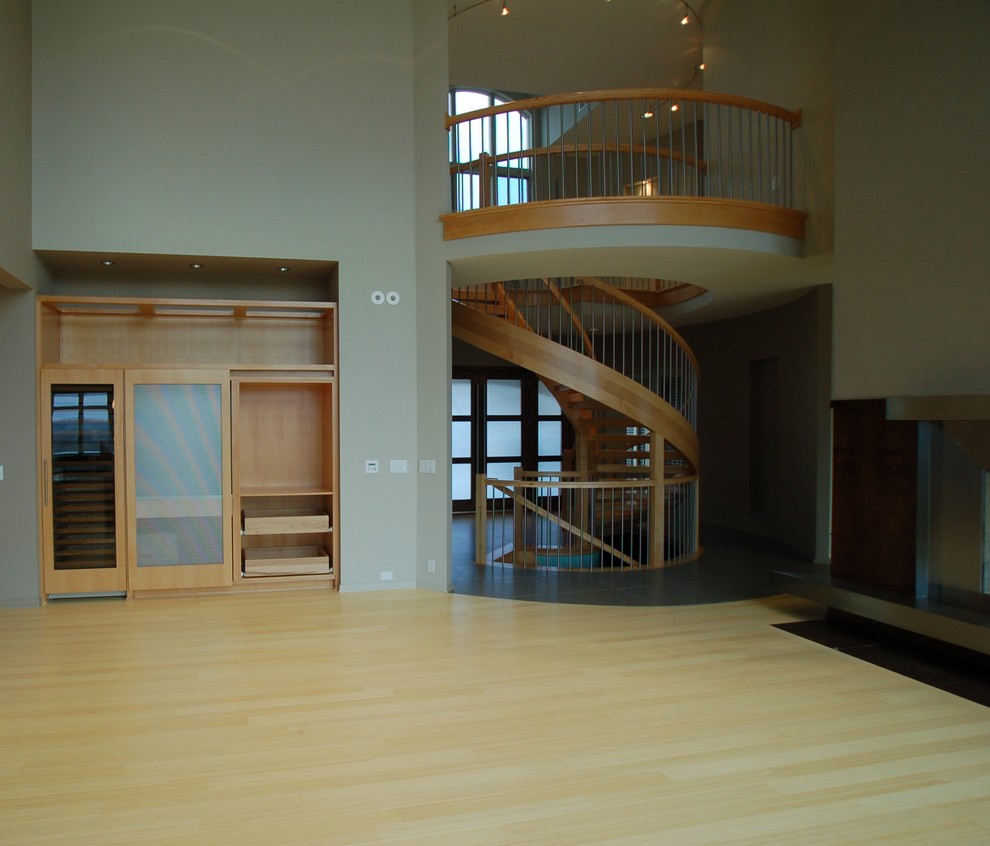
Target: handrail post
[[485, 180], [657, 501], [480, 518], [518, 519]]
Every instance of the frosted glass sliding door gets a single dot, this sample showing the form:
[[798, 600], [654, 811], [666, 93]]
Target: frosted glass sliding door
[[178, 479]]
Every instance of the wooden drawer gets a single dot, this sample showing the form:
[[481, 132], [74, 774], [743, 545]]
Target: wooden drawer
[[284, 521], [286, 561]]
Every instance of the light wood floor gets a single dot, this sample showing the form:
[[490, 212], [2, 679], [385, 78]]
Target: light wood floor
[[412, 717]]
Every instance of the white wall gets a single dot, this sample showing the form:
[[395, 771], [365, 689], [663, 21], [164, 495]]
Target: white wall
[[245, 127], [912, 188]]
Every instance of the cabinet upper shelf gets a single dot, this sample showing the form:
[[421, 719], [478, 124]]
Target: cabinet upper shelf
[[151, 307], [154, 331]]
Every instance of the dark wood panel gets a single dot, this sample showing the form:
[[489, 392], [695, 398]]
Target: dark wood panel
[[874, 496]]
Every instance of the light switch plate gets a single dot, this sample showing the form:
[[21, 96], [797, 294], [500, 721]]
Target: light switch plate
[[371, 466], [398, 465]]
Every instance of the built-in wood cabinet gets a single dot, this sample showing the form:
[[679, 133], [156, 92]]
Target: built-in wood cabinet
[[199, 455]]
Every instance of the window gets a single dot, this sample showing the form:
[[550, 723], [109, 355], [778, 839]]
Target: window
[[494, 136], [82, 420], [500, 420]]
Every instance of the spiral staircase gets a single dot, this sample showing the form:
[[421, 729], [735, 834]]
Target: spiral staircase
[[625, 380]]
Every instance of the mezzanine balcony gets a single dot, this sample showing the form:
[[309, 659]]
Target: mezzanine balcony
[[641, 157]]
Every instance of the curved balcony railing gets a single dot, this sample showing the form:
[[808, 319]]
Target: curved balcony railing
[[633, 144]]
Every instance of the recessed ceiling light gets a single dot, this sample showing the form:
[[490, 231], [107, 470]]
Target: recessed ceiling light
[[107, 263], [674, 108], [685, 20], [283, 269], [649, 112], [196, 266]]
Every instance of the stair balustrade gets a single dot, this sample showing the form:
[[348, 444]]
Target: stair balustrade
[[603, 322], [634, 412]]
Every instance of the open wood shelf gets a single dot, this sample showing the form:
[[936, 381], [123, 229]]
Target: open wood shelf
[[309, 560], [284, 477], [283, 521]]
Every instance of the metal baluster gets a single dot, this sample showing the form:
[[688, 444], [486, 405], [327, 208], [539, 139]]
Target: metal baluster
[[629, 155], [790, 167], [574, 155], [670, 151], [718, 137], [694, 145], [589, 179], [730, 145], [759, 151], [749, 143]]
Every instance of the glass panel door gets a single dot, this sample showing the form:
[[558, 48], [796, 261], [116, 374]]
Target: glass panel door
[[502, 419], [178, 476], [82, 481]]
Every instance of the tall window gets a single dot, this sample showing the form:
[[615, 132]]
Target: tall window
[[502, 419], [493, 137]]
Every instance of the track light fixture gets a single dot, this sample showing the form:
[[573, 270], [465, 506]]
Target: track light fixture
[[455, 11], [690, 13]]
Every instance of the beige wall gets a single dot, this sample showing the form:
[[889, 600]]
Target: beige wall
[[243, 127], [912, 182], [797, 336], [18, 267], [20, 273], [780, 51], [432, 297]]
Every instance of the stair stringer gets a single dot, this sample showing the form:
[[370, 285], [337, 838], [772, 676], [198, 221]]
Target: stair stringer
[[552, 361]]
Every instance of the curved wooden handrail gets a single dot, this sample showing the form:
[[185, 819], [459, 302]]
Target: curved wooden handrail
[[669, 296], [594, 380], [661, 94], [648, 313], [575, 320], [577, 484]]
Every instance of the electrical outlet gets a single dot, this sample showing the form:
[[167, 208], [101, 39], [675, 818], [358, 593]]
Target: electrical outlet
[[431, 565], [386, 576]]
